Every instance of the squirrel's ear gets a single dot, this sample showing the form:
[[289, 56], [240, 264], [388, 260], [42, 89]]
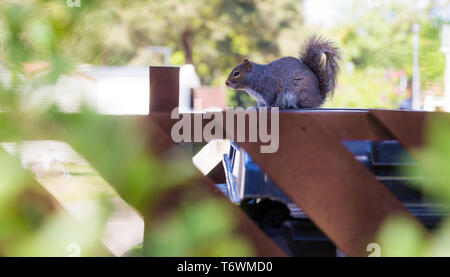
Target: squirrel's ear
[[248, 65]]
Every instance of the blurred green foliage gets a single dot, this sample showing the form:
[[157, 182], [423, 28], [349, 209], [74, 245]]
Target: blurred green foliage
[[377, 41], [191, 232], [32, 223], [375, 92], [402, 238]]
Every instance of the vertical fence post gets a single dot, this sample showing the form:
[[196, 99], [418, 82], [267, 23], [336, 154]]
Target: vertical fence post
[[164, 88]]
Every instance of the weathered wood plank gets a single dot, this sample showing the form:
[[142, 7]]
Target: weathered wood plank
[[322, 177]]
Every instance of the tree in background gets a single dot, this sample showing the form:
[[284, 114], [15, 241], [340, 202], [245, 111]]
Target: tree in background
[[213, 35], [377, 46], [216, 35]]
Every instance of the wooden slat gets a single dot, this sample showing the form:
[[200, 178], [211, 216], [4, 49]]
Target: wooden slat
[[345, 125], [38, 197], [352, 126], [337, 192], [165, 81], [405, 126], [322, 177], [160, 142], [158, 127]]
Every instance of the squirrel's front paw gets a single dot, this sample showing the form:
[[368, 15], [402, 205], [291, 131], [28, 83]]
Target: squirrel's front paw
[[262, 105]]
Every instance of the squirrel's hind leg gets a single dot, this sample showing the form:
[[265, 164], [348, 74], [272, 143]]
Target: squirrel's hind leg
[[287, 100]]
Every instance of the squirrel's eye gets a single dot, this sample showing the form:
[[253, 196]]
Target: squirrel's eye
[[236, 74]]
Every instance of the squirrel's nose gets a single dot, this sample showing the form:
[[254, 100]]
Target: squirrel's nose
[[227, 83]]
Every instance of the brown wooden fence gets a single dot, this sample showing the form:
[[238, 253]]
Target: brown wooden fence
[[341, 196]]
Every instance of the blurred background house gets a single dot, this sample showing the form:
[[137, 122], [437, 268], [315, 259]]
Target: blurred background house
[[119, 90]]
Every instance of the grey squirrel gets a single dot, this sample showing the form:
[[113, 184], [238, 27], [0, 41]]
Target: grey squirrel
[[290, 83]]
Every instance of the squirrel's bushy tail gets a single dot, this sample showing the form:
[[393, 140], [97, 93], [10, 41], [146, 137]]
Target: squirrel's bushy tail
[[325, 71]]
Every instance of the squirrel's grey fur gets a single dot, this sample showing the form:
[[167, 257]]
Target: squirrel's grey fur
[[290, 82]]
